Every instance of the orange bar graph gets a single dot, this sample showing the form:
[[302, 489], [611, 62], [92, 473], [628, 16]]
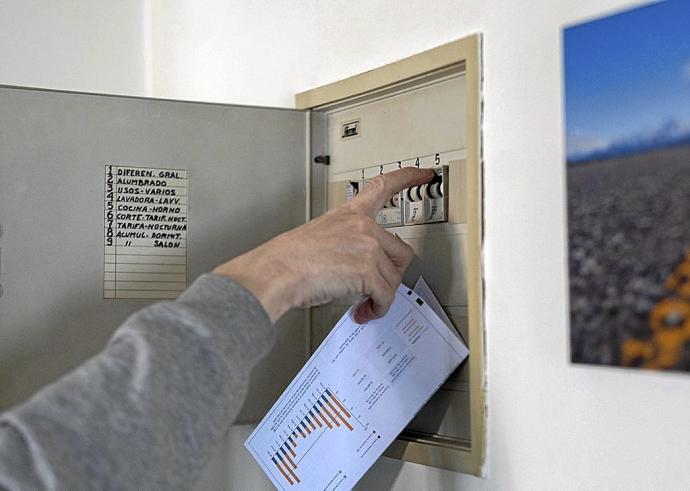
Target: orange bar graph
[[327, 409], [306, 428], [287, 478], [340, 405], [325, 420], [294, 476], [316, 419], [349, 426], [335, 411], [339, 415], [323, 408]]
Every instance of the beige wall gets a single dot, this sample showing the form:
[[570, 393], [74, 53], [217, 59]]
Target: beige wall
[[264, 52], [84, 45]]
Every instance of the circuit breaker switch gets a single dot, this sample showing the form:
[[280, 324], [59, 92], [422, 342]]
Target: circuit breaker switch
[[435, 190], [428, 203], [351, 190], [394, 202], [408, 194], [391, 214], [413, 194], [389, 217], [424, 191]]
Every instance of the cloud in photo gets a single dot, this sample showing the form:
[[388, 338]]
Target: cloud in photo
[[582, 146], [580, 143], [685, 71]]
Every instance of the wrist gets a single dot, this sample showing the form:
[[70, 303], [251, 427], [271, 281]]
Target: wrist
[[269, 280]]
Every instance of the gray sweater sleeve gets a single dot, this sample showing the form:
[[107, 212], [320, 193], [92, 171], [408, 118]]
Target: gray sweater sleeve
[[147, 411]]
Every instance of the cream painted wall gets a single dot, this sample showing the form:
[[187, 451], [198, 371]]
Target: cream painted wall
[[552, 425], [264, 52], [83, 45]]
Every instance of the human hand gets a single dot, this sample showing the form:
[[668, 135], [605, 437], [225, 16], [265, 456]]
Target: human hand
[[339, 253]]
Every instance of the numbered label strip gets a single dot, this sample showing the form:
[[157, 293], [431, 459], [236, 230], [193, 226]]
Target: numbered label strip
[[370, 169], [145, 232]]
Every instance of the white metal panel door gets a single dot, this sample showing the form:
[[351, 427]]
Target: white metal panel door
[[246, 183]]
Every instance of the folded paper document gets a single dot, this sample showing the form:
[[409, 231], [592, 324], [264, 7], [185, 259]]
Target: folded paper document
[[356, 393]]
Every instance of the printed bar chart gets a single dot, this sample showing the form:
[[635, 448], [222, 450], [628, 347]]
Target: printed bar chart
[[356, 393], [326, 413]]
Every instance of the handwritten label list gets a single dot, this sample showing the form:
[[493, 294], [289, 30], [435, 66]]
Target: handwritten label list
[[145, 232]]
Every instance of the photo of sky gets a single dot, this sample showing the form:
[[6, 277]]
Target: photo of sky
[[627, 81], [627, 104]]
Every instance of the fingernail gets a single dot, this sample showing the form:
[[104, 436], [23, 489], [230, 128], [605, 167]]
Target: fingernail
[[358, 317], [361, 315]]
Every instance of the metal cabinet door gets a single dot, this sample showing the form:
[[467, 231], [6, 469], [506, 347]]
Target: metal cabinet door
[[246, 184]]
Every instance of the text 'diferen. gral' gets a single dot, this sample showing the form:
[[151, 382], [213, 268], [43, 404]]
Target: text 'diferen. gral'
[[145, 232]]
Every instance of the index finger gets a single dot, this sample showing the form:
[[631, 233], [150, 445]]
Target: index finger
[[381, 188]]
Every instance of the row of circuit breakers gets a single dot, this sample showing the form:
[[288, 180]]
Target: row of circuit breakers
[[417, 205]]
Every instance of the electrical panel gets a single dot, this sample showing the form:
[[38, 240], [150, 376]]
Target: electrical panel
[[421, 112]]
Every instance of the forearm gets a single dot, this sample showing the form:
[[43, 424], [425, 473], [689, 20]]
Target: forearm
[[150, 408]]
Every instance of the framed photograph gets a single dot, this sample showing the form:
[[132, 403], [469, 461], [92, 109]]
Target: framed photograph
[[627, 107]]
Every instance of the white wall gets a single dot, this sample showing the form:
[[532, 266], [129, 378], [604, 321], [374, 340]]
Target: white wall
[[262, 53], [552, 425], [83, 45]]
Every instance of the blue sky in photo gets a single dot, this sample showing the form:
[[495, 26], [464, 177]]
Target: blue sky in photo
[[627, 81]]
